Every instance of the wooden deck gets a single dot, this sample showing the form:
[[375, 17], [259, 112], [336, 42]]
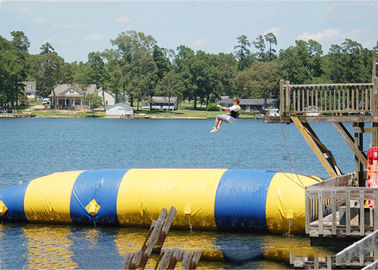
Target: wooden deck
[[363, 253], [325, 201], [323, 118]]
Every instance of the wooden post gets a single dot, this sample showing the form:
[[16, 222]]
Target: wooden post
[[362, 214], [320, 211], [288, 97], [374, 137], [333, 212], [347, 212], [356, 160], [282, 98]]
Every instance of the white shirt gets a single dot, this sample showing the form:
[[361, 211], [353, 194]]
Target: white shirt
[[234, 108]]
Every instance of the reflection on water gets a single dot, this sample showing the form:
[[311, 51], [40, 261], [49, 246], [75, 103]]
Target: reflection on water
[[37, 246]]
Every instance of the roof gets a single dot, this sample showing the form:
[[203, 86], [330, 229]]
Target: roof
[[163, 99], [107, 90], [122, 105], [61, 89], [249, 101], [91, 89]]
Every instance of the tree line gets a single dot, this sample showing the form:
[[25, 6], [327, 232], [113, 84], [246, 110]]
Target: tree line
[[137, 67]]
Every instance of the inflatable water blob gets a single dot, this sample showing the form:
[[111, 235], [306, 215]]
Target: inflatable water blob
[[210, 199]]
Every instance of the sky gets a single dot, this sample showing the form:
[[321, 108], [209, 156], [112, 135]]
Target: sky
[[76, 28]]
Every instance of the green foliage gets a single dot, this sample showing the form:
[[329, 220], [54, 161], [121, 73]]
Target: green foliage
[[93, 101], [137, 68], [261, 80], [243, 54], [212, 107]]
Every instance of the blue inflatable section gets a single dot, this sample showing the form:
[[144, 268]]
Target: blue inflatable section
[[13, 199], [102, 186], [241, 200]]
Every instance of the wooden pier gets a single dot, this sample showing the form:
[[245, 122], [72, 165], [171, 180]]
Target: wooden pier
[[336, 208], [154, 242], [336, 104]]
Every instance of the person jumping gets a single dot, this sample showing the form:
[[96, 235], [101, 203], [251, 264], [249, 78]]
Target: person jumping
[[228, 118]]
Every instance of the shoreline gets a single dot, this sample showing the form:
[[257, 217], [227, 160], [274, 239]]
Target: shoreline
[[118, 117]]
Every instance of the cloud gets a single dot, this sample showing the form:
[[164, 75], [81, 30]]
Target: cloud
[[368, 44], [50, 39], [70, 26], [337, 8], [275, 30], [197, 44], [23, 10], [122, 19], [65, 41], [39, 20], [332, 34], [327, 34], [354, 17], [94, 37]]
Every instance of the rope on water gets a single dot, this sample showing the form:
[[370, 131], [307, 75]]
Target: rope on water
[[289, 156]]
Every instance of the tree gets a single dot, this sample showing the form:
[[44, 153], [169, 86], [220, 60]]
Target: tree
[[183, 64], [259, 44], [272, 40], [47, 48], [243, 54], [162, 62], [93, 101], [261, 80], [170, 86], [48, 69], [136, 64], [12, 72], [348, 62]]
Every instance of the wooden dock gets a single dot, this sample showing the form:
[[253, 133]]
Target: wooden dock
[[336, 208], [154, 242]]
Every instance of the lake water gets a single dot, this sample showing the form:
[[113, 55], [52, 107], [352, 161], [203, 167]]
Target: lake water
[[34, 147]]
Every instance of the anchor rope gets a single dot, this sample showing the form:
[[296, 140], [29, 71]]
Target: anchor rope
[[289, 156]]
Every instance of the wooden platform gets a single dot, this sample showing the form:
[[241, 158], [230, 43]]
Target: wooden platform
[[323, 118], [340, 230]]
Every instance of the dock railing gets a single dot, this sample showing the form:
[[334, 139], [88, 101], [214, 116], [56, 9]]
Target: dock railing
[[335, 207], [336, 99]]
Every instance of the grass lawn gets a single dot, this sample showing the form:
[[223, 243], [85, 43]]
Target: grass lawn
[[53, 113], [181, 113], [187, 114]]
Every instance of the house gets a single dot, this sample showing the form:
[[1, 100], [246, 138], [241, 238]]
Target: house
[[107, 96], [250, 104], [66, 96], [30, 89], [119, 109], [160, 103]]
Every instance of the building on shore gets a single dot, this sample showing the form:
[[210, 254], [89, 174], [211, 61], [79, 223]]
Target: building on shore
[[250, 104], [160, 103], [68, 96], [30, 89], [107, 96], [119, 109]]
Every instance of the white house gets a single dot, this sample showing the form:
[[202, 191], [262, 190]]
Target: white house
[[30, 89], [109, 97], [119, 109]]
